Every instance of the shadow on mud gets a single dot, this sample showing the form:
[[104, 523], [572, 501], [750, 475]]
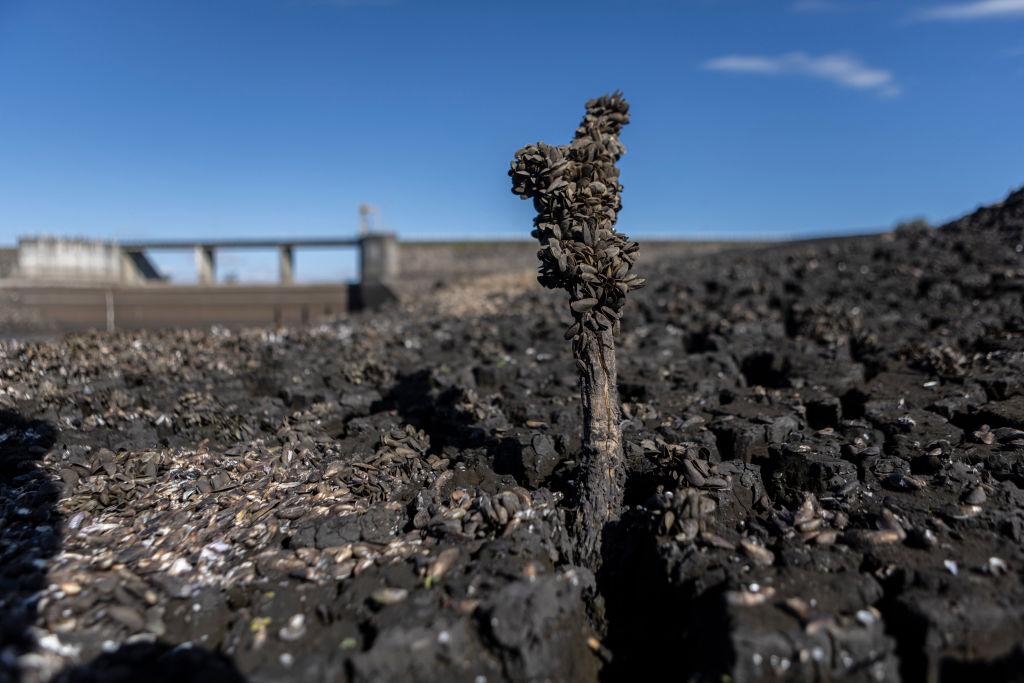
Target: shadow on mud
[[437, 411], [30, 532], [154, 663], [31, 529], [652, 624], [433, 409]]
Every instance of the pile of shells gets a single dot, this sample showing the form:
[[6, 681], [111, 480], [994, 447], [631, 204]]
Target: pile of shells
[[888, 528], [158, 504], [1005, 438], [813, 523], [400, 460], [478, 514], [576, 191], [334, 563], [687, 464], [172, 522], [683, 513]]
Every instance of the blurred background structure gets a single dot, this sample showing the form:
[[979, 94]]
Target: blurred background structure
[[243, 124], [54, 283]]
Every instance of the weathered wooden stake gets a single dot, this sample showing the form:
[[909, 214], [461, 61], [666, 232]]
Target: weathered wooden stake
[[576, 192]]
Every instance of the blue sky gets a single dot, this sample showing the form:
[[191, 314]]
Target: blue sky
[[196, 118]]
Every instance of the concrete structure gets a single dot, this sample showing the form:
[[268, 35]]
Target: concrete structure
[[378, 268], [378, 254], [54, 308], [59, 259], [58, 285], [425, 265], [286, 264], [8, 262], [206, 264], [378, 258], [389, 269]]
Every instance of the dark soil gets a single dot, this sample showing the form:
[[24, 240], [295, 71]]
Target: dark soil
[[825, 482]]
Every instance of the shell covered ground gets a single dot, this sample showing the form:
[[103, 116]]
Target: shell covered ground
[[825, 446]]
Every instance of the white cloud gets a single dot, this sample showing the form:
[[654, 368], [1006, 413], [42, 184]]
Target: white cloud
[[842, 69], [979, 9]]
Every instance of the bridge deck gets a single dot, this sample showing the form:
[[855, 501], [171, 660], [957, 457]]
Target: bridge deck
[[304, 243]]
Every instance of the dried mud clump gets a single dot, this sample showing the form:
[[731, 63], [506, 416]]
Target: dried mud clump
[[576, 191]]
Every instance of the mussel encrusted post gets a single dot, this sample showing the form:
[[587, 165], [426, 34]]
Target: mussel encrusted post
[[576, 192]]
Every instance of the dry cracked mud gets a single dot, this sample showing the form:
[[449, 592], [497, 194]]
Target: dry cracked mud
[[825, 447]]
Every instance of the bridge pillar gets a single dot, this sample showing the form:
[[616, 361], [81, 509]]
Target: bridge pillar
[[286, 263], [205, 265], [378, 258], [378, 265]]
